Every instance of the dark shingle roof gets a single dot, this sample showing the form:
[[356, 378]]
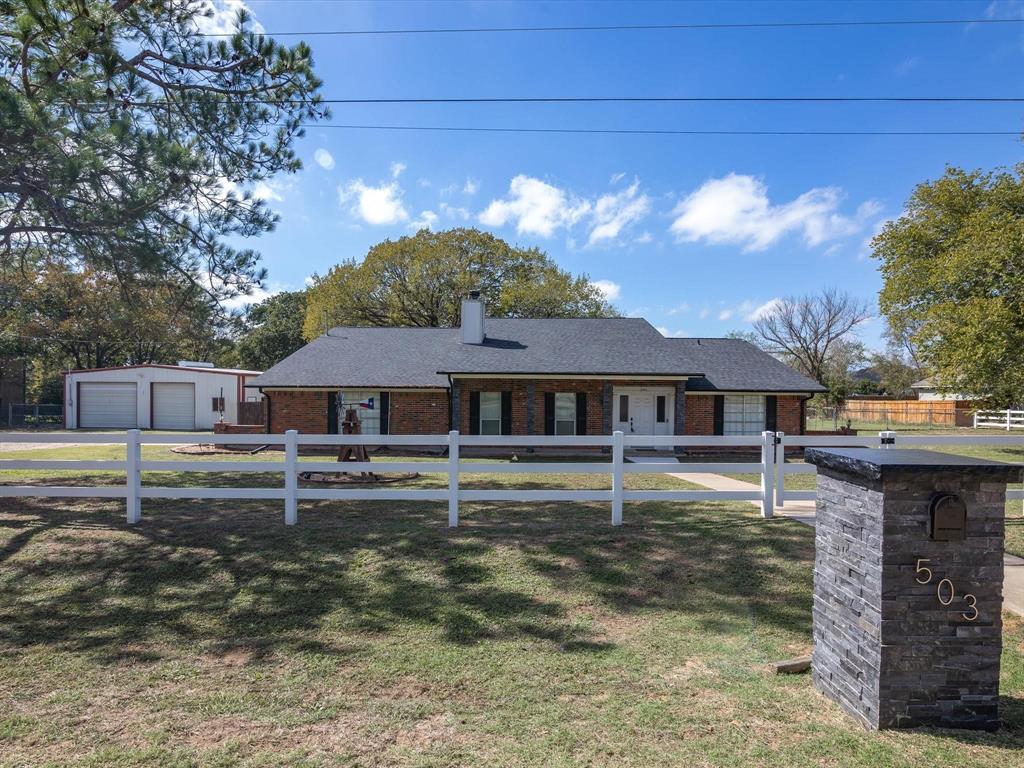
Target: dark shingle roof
[[736, 365], [423, 357]]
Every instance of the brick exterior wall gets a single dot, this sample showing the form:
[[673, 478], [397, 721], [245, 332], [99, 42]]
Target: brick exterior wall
[[426, 412], [418, 412], [301, 409]]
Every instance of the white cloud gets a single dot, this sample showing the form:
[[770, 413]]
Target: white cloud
[[761, 310], [613, 213], [454, 212], [609, 290], [426, 220], [396, 169], [536, 207], [736, 210], [617, 177], [726, 314], [677, 334], [471, 187], [704, 313], [267, 191], [684, 307], [324, 159], [644, 237], [375, 205], [221, 17]]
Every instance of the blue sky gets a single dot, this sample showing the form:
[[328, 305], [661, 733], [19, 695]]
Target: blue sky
[[695, 233]]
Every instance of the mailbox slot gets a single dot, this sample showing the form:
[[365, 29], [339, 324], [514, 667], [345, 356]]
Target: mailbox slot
[[947, 517]]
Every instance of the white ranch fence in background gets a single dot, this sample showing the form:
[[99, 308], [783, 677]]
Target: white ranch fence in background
[[1007, 419], [771, 467]]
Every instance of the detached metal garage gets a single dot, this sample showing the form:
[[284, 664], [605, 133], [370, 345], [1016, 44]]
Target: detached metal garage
[[188, 396]]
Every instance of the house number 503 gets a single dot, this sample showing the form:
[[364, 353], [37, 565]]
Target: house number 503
[[945, 592]]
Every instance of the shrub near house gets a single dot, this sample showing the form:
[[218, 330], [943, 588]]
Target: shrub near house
[[533, 377]]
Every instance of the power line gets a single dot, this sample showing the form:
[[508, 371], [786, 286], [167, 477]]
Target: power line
[[622, 100], [632, 27], [657, 131]]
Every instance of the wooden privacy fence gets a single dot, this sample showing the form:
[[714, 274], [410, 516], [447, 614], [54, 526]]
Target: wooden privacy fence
[[940, 413]]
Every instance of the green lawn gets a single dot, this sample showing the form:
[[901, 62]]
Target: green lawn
[[371, 635]]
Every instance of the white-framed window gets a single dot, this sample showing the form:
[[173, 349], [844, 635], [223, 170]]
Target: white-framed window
[[565, 413], [366, 404], [743, 415], [490, 413]]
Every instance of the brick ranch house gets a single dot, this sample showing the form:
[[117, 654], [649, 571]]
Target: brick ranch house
[[532, 377]]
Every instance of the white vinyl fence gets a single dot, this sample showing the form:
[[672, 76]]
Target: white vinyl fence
[[881, 440], [771, 467], [1007, 419]]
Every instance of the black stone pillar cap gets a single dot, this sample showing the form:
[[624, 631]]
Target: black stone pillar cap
[[873, 463]]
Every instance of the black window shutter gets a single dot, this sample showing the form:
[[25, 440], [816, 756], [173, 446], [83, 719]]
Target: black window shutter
[[332, 413], [506, 413], [771, 410], [549, 413], [385, 413], [661, 401], [581, 413], [719, 414], [474, 413]]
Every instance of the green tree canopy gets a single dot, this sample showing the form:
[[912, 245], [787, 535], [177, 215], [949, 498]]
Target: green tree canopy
[[420, 281], [953, 266], [271, 330], [132, 143]]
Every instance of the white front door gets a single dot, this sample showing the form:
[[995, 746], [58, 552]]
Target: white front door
[[642, 410]]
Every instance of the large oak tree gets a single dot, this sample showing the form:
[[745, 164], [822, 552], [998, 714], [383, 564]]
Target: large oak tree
[[420, 281], [953, 266]]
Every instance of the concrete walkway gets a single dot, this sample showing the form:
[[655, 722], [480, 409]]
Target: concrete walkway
[[803, 511]]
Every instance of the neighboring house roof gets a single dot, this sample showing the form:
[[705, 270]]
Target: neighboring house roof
[[425, 357], [923, 384]]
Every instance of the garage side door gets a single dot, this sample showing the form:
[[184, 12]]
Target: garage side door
[[107, 405], [174, 405]]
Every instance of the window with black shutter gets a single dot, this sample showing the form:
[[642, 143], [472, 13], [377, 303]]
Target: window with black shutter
[[549, 413], [581, 413], [719, 418]]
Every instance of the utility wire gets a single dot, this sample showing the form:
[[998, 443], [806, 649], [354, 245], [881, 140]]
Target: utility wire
[[613, 100], [658, 131], [632, 27]]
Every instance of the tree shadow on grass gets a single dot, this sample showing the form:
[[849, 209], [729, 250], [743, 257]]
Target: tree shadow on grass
[[218, 574]]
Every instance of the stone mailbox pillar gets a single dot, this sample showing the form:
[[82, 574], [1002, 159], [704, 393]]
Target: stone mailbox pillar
[[908, 579]]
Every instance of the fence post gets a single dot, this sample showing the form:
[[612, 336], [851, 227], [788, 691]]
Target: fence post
[[780, 469], [886, 439], [1007, 419], [291, 477], [767, 474], [133, 478], [453, 479], [618, 459]]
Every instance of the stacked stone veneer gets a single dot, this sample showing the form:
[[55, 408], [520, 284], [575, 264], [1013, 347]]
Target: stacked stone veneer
[[885, 648]]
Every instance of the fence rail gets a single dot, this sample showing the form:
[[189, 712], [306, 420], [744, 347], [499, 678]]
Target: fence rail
[[290, 493], [772, 468], [1008, 419]]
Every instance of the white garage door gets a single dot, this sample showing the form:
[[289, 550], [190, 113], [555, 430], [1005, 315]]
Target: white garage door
[[174, 405], [107, 405]]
